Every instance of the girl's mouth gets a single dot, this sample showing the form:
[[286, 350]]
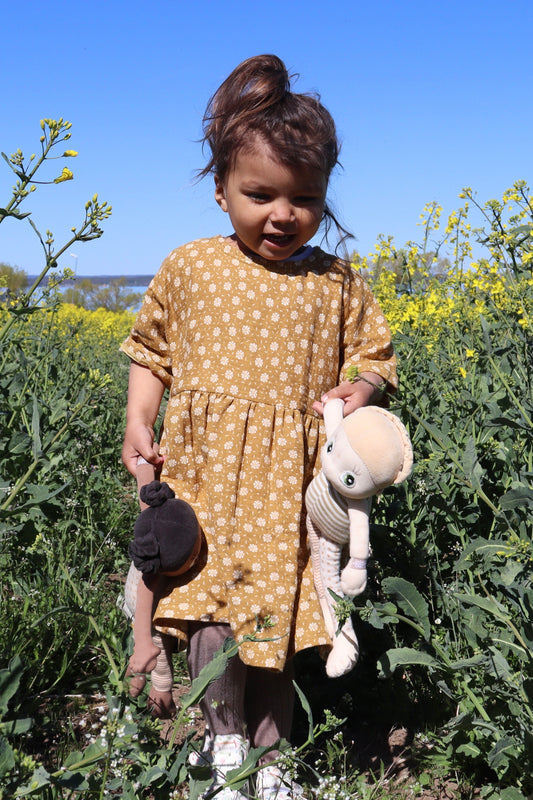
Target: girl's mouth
[[279, 239]]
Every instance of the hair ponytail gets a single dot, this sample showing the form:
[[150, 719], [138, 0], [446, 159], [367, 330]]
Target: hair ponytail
[[257, 99]]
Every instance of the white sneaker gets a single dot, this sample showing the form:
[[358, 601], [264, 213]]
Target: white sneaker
[[228, 751], [203, 757], [271, 783]]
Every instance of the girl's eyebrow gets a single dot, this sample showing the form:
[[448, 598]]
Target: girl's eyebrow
[[250, 184]]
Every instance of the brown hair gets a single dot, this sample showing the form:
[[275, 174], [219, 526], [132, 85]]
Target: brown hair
[[256, 99]]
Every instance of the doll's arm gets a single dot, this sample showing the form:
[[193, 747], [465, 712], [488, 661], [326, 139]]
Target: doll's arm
[[333, 412], [143, 659], [353, 576]]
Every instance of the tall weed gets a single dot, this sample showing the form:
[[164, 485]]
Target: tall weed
[[454, 554]]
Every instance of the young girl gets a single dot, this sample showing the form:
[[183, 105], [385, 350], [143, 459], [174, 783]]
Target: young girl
[[251, 334]]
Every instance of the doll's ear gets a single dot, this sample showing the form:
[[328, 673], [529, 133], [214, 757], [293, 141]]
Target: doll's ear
[[407, 447]]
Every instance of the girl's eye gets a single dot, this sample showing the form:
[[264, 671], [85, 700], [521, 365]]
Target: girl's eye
[[258, 197], [306, 200], [329, 447], [348, 478]]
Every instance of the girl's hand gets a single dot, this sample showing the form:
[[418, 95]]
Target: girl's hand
[[365, 391], [139, 441]]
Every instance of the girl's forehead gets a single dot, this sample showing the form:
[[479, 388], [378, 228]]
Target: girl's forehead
[[258, 160]]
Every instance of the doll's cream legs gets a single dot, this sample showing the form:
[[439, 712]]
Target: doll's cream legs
[[244, 699], [326, 563]]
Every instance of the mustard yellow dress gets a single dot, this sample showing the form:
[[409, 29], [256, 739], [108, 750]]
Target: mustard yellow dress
[[245, 346]]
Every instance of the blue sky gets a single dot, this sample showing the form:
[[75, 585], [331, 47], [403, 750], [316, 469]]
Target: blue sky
[[428, 97]]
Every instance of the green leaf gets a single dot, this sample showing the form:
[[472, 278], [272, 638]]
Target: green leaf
[[20, 442], [7, 756], [469, 749], [53, 613], [481, 549], [9, 682], [152, 775], [39, 779], [497, 664], [487, 604], [381, 614], [511, 793], [36, 429], [211, 672], [410, 601], [471, 466], [518, 497], [73, 780], [15, 727], [503, 641], [307, 708], [486, 335], [504, 750], [466, 663], [73, 758], [405, 657]]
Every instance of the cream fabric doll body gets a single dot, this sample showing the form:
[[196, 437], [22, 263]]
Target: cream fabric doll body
[[364, 453]]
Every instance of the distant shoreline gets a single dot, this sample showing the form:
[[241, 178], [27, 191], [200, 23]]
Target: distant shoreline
[[99, 280]]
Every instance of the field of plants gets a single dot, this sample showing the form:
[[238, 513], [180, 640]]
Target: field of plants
[[446, 623]]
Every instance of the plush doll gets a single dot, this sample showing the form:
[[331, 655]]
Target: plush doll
[[167, 541], [364, 453]]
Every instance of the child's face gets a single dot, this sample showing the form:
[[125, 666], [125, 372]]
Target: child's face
[[274, 208]]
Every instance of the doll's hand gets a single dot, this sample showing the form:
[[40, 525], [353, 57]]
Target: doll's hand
[[353, 577], [161, 704], [361, 393]]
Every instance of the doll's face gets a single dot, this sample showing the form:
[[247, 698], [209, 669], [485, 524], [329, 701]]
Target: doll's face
[[344, 469]]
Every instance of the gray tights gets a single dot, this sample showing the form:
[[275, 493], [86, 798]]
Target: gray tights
[[244, 699]]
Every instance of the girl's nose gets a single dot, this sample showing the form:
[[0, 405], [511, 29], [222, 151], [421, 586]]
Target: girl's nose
[[282, 211]]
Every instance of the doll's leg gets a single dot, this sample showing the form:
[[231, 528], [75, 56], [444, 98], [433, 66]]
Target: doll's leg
[[160, 698], [326, 562]]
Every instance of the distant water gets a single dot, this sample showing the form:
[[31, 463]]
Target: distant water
[[140, 290], [101, 284]]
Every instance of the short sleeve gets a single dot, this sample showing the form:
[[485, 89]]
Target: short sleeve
[[366, 336], [148, 343]]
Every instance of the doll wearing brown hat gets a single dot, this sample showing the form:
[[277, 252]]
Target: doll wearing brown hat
[[166, 543]]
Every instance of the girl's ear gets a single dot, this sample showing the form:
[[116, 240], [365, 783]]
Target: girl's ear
[[220, 194]]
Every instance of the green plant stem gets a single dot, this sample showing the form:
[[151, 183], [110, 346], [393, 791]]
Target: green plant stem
[[37, 459], [26, 179], [481, 494], [116, 671], [50, 263], [494, 364], [446, 661], [506, 620]]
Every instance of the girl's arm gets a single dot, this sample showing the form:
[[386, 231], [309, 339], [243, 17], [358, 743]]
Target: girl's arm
[[145, 392]]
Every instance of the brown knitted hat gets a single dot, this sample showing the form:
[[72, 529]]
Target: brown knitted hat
[[166, 534]]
